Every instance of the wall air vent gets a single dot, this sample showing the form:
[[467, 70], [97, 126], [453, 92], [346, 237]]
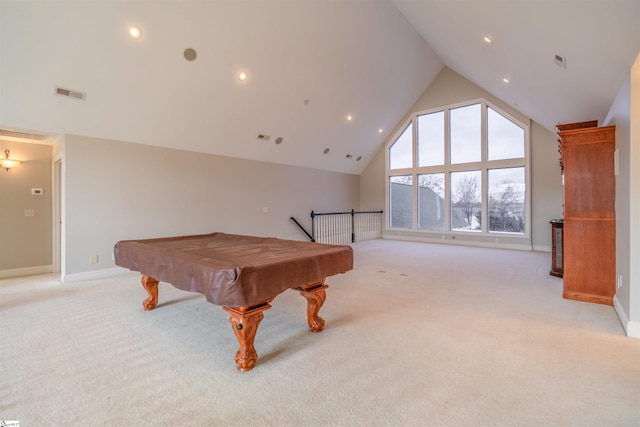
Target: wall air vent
[[71, 93]]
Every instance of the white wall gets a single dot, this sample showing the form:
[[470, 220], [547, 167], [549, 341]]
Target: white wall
[[546, 182], [372, 184], [625, 115], [633, 328], [546, 186], [118, 190], [619, 115]]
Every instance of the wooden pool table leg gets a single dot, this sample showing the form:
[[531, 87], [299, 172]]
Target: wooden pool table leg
[[315, 296], [151, 286], [245, 322]]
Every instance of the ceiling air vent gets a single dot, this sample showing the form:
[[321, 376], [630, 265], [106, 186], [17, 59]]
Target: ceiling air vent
[[21, 135], [71, 93], [560, 61]]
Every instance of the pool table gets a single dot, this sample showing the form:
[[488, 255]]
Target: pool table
[[243, 274]]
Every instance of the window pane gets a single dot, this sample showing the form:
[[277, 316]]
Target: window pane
[[431, 201], [466, 134], [506, 200], [505, 138], [400, 153], [431, 139], [400, 199], [466, 201]]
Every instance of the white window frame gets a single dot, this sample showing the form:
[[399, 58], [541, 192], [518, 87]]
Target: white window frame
[[484, 165]]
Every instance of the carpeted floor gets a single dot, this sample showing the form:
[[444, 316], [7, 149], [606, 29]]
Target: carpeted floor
[[416, 335]]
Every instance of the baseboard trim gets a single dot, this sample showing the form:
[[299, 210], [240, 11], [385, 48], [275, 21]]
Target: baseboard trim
[[459, 242], [631, 328], [26, 271], [93, 275]]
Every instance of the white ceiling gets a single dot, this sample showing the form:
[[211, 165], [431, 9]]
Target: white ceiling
[[310, 64], [600, 40]]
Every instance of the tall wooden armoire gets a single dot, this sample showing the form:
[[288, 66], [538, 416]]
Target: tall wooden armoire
[[589, 213]]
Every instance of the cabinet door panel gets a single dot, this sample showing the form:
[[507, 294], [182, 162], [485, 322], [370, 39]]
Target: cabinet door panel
[[589, 181], [589, 261]]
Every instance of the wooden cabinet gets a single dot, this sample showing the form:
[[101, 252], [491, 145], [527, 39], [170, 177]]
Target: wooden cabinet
[[589, 213]]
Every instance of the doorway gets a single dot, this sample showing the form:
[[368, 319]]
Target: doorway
[[57, 217]]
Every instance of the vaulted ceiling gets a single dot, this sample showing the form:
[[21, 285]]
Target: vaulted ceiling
[[310, 65]]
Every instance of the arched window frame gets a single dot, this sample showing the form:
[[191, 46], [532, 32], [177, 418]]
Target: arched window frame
[[484, 165]]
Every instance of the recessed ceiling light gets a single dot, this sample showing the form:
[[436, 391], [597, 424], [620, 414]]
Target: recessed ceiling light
[[135, 32], [487, 39], [326, 150], [242, 76], [349, 118], [380, 130], [506, 80], [359, 158]]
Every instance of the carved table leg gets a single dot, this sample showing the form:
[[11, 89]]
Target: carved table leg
[[245, 322], [315, 296], [151, 286]]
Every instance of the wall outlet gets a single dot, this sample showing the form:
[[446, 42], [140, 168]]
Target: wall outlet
[[29, 212], [93, 259]]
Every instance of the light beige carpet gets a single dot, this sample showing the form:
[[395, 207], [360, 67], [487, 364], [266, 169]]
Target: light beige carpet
[[416, 335]]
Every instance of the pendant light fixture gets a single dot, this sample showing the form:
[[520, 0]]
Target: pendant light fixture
[[8, 163]]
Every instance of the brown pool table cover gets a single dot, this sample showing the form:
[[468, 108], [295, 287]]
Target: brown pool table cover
[[233, 270]]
